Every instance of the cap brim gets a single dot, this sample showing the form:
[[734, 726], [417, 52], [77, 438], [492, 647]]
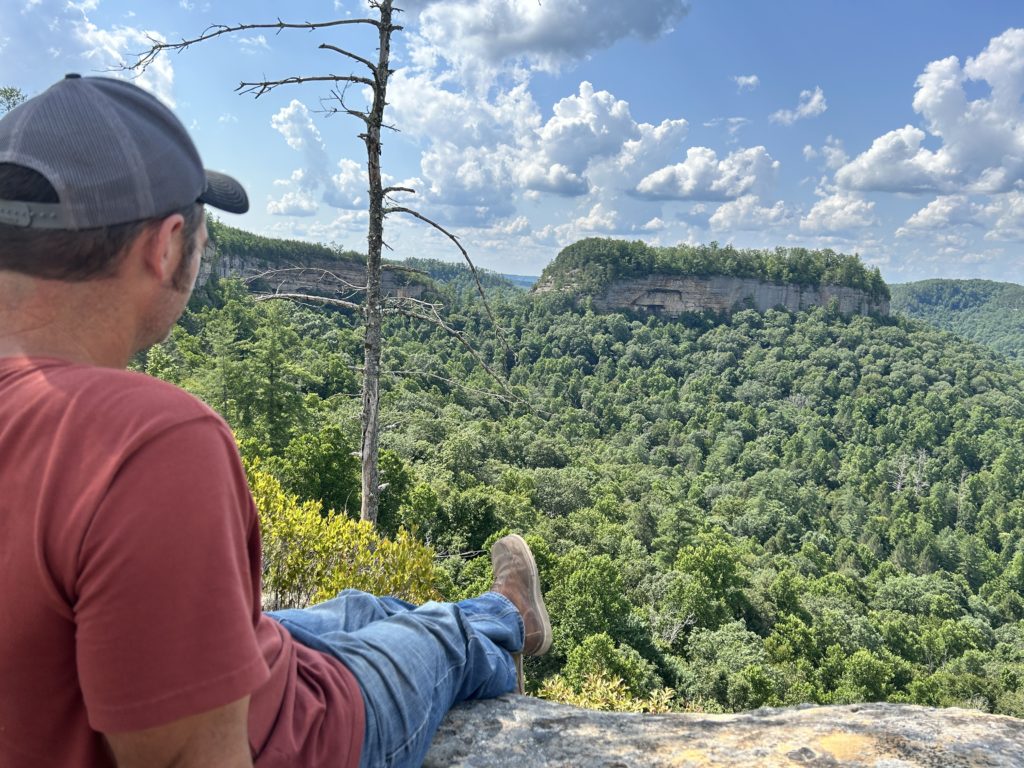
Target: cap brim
[[225, 193]]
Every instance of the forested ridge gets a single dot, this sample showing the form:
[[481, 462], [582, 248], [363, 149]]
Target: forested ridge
[[988, 312], [273, 251], [766, 510], [592, 264]]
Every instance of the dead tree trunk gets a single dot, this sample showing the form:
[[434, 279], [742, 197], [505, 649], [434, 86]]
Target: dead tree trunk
[[373, 306]]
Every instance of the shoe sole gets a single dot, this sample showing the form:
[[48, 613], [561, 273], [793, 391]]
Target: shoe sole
[[516, 543]]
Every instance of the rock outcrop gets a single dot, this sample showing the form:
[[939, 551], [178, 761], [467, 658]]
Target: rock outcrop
[[323, 278], [672, 296], [523, 732]]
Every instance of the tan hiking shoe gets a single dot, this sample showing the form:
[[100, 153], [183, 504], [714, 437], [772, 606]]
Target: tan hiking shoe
[[516, 577]]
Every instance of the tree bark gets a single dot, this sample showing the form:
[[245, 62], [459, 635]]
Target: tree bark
[[370, 444]]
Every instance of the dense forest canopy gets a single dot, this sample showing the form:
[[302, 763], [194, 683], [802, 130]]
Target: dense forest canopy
[[767, 510], [592, 264], [982, 310]]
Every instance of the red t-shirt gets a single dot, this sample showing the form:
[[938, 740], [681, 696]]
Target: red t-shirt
[[130, 579]]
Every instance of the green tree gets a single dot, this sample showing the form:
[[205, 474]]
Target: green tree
[[599, 655], [309, 557], [10, 97]]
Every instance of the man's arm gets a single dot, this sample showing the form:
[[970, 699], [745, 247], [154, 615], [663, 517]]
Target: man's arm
[[166, 607], [218, 737]]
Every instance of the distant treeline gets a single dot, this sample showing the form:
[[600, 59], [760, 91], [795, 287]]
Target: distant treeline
[[984, 311], [594, 263], [237, 242], [459, 278]]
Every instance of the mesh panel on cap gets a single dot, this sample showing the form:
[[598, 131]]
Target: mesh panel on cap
[[113, 152]]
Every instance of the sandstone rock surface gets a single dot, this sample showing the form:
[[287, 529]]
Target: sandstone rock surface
[[307, 278], [523, 732], [671, 296]]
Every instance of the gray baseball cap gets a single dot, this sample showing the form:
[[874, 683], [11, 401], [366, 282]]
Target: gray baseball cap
[[113, 152]]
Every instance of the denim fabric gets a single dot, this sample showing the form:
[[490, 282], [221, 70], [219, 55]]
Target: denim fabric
[[413, 663]]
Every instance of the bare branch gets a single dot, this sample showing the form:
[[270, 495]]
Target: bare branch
[[456, 383], [265, 86], [324, 275], [464, 555], [146, 58], [403, 268], [356, 57], [472, 268], [310, 299], [389, 190], [340, 98], [400, 302], [434, 318]]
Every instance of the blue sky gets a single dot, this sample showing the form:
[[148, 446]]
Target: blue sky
[[890, 129]]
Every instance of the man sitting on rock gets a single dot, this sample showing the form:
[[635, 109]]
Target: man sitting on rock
[[130, 625]]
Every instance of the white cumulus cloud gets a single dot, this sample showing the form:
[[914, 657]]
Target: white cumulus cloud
[[941, 213], [110, 48], [471, 184], [1006, 214], [470, 34], [484, 153], [839, 212], [732, 125], [746, 82], [811, 104], [832, 151], [294, 203], [747, 213], [652, 147], [600, 219], [702, 176], [896, 162], [585, 126], [253, 44], [556, 178], [980, 141], [346, 189]]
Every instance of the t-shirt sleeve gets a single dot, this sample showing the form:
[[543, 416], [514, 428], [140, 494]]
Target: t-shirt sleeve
[[166, 603]]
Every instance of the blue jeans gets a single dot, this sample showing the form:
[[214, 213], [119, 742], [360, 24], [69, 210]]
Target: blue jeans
[[413, 663]]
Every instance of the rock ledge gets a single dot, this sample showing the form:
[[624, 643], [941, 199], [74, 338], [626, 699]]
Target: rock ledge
[[529, 733]]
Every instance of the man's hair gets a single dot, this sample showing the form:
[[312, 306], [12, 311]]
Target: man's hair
[[75, 255]]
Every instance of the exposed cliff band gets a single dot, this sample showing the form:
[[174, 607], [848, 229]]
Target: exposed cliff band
[[621, 275], [317, 277], [672, 296]]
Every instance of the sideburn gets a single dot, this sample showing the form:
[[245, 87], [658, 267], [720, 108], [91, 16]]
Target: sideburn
[[180, 278]]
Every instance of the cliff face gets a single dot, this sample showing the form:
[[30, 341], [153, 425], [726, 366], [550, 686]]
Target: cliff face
[[322, 278], [672, 296], [522, 732]]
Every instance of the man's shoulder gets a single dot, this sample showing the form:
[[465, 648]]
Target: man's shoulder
[[110, 396], [127, 395]]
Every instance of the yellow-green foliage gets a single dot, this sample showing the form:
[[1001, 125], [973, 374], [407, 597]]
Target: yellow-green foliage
[[608, 694], [309, 557]]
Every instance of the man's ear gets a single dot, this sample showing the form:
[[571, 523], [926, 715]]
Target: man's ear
[[160, 246]]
